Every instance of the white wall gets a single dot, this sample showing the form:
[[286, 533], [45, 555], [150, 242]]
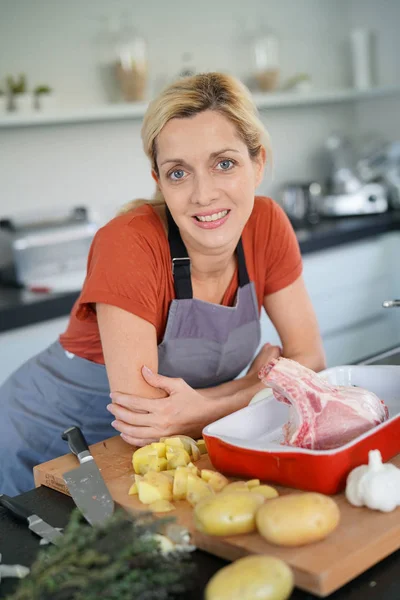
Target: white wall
[[381, 116], [102, 164]]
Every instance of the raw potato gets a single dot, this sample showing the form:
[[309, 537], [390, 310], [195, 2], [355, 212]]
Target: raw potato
[[202, 446], [197, 489], [216, 480], [253, 483], [297, 519], [161, 506], [252, 578], [167, 454], [227, 513], [236, 486], [266, 490], [154, 486], [133, 489]]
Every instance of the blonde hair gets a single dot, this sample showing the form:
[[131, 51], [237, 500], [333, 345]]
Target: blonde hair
[[189, 96]]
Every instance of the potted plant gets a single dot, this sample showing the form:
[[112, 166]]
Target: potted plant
[[44, 97], [3, 101], [21, 99]]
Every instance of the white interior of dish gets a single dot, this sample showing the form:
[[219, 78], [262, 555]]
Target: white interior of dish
[[259, 425]]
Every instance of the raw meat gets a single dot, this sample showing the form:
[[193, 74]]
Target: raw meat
[[321, 416]]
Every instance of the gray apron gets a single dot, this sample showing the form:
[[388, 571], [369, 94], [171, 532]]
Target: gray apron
[[205, 344]]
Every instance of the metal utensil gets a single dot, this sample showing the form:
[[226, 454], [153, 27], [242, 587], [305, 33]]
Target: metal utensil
[[35, 523], [85, 483], [391, 304]]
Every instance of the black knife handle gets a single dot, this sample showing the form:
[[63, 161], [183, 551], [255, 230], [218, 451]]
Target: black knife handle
[[76, 440], [13, 506]]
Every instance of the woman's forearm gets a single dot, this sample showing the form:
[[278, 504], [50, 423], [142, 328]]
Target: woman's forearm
[[225, 404], [227, 389]]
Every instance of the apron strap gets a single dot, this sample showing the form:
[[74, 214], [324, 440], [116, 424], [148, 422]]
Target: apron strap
[[181, 261]]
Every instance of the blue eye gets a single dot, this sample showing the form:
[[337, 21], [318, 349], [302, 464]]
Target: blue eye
[[226, 164], [178, 174]]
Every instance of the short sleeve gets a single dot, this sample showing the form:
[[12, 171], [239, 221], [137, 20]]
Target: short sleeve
[[284, 263], [121, 271]]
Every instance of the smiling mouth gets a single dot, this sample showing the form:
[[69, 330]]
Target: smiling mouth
[[213, 217]]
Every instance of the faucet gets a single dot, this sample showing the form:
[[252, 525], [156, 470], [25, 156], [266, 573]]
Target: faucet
[[391, 304]]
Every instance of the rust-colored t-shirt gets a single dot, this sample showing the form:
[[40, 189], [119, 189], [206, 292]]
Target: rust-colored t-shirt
[[129, 266]]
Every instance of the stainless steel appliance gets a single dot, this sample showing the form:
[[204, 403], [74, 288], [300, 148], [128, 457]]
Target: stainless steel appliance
[[49, 251], [347, 193], [382, 162], [300, 202]]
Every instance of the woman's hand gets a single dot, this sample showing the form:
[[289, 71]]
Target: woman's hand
[[266, 354], [144, 420]]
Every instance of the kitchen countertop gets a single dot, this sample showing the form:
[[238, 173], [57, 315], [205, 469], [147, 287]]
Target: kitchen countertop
[[19, 307], [19, 545]]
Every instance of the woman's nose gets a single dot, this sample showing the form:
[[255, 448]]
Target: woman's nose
[[204, 191]]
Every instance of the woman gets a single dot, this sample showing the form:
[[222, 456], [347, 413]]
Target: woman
[[169, 312]]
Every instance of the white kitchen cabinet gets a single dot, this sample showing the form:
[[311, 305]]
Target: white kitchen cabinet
[[347, 286], [18, 345]]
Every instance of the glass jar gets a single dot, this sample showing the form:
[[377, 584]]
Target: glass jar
[[131, 63], [266, 69]]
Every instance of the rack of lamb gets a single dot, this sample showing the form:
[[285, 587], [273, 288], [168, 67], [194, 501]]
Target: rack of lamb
[[322, 416]]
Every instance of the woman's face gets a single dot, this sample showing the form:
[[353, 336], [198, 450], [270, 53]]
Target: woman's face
[[207, 178]]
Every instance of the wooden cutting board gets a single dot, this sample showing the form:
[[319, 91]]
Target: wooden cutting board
[[363, 538]]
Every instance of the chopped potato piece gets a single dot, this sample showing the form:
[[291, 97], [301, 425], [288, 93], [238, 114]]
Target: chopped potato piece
[[160, 448], [154, 486], [266, 490], [236, 486], [253, 483], [179, 488], [216, 480], [141, 458], [177, 457], [133, 489], [193, 469], [161, 506], [197, 489], [202, 446]]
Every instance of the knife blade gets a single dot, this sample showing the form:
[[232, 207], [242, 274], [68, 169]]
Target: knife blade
[[85, 483], [35, 523]]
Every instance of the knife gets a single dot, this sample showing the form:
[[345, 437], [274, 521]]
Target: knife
[[85, 483], [35, 523]]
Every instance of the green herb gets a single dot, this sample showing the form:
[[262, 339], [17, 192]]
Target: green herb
[[17, 86], [42, 89], [120, 560]]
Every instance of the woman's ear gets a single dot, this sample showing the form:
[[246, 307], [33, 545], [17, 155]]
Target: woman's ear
[[155, 176], [260, 161]]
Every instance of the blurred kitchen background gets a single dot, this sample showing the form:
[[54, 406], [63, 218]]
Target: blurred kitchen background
[[75, 79]]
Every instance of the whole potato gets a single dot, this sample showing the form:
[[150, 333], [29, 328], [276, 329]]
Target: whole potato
[[227, 513], [297, 519], [252, 578]]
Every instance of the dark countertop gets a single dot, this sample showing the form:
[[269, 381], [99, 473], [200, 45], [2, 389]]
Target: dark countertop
[[19, 308], [19, 545]]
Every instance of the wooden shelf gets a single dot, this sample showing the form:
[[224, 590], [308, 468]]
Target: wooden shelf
[[115, 112]]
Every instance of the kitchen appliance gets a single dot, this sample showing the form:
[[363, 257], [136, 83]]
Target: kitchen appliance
[[382, 162], [35, 523], [248, 443], [362, 538], [47, 251], [347, 194], [85, 483], [300, 201]]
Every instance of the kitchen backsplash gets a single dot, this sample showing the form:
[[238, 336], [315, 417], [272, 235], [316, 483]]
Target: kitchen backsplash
[[102, 164]]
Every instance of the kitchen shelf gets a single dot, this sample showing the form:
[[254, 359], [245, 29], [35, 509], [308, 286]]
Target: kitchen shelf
[[115, 112]]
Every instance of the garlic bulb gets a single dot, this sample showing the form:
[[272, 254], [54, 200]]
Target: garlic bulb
[[376, 485]]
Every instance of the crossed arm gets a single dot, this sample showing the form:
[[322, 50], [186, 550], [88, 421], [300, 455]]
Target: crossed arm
[[147, 405]]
